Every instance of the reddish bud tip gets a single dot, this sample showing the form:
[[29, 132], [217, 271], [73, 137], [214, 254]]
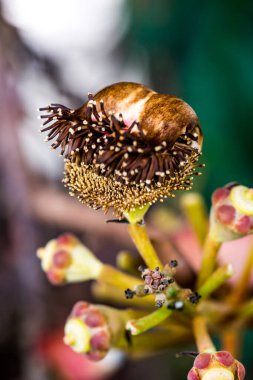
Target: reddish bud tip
[[219, 195], [224, 358], [66, 239], [243, 224], [100, 341], [56, 277], [62, 259], [192, 375], [94, 318], [225, 214], [79, 309], [240, 371], [202, 361]]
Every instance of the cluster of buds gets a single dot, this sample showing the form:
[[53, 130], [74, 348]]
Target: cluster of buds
[[155, 282], [216, 366], [232, 212], [66, 260], [158, 282]]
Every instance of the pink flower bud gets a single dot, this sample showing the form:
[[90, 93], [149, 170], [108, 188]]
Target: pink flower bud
[[202, 360], [65, 260], [217, 366], [231, 215], [225, 358], [240, 371], [244, 224], [192, 374], [87, 331], [62, 259], [220, 195], [225, 214]]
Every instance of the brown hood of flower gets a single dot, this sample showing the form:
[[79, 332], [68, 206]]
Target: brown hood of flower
[[126, 146]]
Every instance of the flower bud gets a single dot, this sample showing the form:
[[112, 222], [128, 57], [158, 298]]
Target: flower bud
[[218, 366], [87, 331], [93, 329], [126, 147], [67, 260], [232, 213], [156, 282]]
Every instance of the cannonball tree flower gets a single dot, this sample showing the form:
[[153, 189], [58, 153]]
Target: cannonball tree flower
[[126, 147]]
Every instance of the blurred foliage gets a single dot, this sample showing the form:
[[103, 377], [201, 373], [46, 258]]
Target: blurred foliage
[[202, 51]]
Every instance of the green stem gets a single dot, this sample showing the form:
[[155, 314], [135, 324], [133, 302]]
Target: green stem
[[138, 326], [154, 341], [215, 280], [113, 295], [114, 277], [210, 251], [128, 263], [137, 215], [246, 311], [202, 337], [194, 208], [141, 240]]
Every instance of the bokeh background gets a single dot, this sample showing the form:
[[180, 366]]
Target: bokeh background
[[57, 51]]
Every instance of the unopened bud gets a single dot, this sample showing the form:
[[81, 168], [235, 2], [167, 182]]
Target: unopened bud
[[218, 366], [232, 213], [87, 331], [93, 329], [67, 260]]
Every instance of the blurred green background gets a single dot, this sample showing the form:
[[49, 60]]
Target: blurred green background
[[203, 52]]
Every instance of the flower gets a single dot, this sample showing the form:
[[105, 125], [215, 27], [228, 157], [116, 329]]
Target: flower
[[231, 215], [218, 366], [87, 332], [126, 147], [93, 329], [66, 259]]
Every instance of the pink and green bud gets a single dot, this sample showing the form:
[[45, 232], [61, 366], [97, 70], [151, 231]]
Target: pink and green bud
[[87, 331], [216, 366], [232, 213], [66, 260]]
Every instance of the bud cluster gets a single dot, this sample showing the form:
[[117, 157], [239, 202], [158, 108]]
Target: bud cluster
[[155, 282], [158, 282]]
